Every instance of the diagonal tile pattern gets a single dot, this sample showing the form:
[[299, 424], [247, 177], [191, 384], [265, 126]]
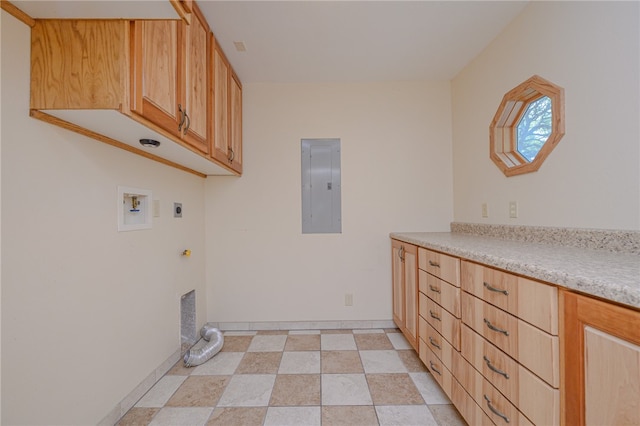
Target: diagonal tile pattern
[[301, 377]]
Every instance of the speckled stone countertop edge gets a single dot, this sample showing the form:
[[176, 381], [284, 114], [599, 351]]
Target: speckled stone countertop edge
[[611, 276]]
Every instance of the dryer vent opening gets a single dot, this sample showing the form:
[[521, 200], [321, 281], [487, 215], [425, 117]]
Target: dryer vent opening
[[188, 332]]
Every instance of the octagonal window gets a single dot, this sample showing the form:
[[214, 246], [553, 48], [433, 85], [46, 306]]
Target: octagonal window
[[527, 126], [534, 128]]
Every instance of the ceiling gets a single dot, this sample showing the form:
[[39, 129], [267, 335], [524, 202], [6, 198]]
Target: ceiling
[[328, 41]]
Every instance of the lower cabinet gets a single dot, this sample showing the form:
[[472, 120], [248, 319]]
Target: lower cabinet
[[404, 265], [490, 338], [601, 355]]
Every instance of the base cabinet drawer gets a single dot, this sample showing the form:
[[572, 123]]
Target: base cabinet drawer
[[465, 404], [523, 388], [441, 292], [446, 324], [441, 265], [436, 343], [495, 405], [532, 347], [439, 372], [531, 301]]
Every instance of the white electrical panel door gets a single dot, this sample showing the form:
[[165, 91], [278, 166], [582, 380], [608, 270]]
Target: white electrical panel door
[[321, 194]]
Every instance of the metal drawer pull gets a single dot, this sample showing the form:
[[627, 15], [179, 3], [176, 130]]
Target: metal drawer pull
[[494, 328], [433, 343], [496, 412], [435, 369], [497, 290], [434, 316], [434, 289], [434, 264], [494, 369]]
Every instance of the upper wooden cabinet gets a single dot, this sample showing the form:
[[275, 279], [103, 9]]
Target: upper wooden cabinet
[[195, 84], [79, 64], [235, 123], [226, 110], [120, 81], [155, 71], [220, 108]]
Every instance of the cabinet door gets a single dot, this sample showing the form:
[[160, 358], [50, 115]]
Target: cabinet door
[[79, 64], [155, 72], [397, 283], [601, 353], [220, 148], [195, 81], [235, 118], [410, 256]]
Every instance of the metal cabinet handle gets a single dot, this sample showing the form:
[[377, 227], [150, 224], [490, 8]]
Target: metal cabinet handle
[[434, 264], [434, 289], [497, 290], [494, 328], [433, 343], [433, 368], [188, 122], [494, 411], [232, 155], [494, 369], [434, 316], [400, 253], [183, 115]]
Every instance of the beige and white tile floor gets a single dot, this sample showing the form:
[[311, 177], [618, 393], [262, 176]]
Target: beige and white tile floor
[[328, 377]]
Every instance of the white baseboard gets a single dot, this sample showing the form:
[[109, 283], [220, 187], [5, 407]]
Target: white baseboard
[[302, 325]]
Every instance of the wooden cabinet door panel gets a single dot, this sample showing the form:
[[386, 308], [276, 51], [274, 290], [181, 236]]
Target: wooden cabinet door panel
[[78, 64], [410, 255], [196, 81], [601, 362], [155, 73], [236, 124], [398, 290], [220, 144], [612, 379]]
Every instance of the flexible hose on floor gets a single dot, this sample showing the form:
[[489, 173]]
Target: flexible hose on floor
[[215, 340]]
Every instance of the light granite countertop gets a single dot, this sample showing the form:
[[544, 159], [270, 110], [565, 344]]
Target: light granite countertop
[[609, 275]]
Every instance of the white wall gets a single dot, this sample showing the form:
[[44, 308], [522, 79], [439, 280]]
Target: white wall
[[592, 178], [87, 312], [396, 175]]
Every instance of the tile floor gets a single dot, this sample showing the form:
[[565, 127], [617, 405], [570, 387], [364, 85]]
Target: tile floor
[[327, 377]]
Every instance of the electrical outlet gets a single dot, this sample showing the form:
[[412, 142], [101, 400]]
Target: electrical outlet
[[513, 209], [485, 210], [348, 299], [177, 209]]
